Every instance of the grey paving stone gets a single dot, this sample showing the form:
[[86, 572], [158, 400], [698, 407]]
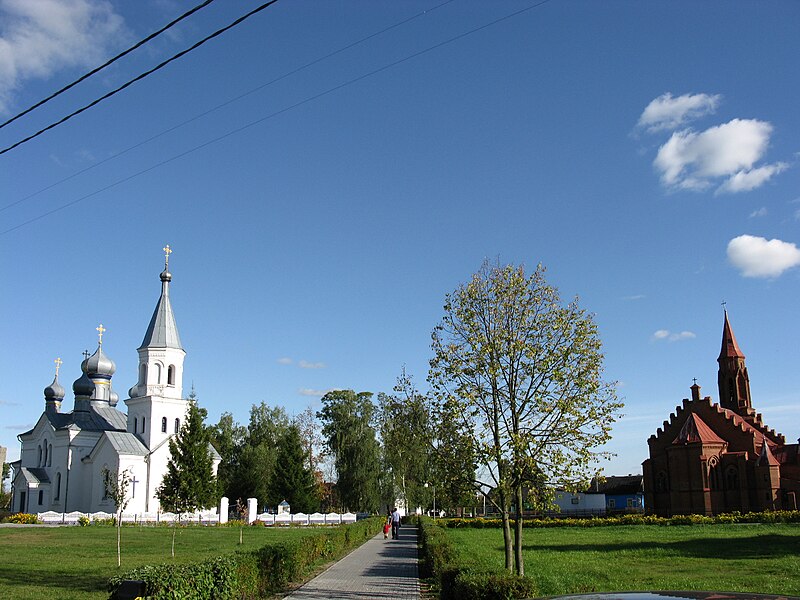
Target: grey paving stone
[[378, 569]]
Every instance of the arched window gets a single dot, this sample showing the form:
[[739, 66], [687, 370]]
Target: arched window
[[142, 374], [163, 424], [713, 474], [50, 455], [143, 421], [177, 425], [662, 482], [58, 487], [39, 462], [732, 478], [44, 462], [171, 375], [158, 373], [135, 424]]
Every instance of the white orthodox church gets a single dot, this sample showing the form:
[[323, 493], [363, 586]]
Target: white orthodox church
[[63, 457]]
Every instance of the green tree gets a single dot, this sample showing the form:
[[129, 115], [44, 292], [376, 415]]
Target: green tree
[[407, 443], [347, 425], [453, 462], [292, 480], [257, 455], [228, 438], [116, 486], [189, 482], [314, 447], [524, 374]]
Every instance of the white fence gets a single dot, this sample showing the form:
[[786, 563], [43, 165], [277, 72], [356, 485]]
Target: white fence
[[200, 517], [210, 517]]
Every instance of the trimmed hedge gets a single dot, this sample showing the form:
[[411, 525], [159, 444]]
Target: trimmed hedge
[[251, 574], [777, 516], [465, 583]]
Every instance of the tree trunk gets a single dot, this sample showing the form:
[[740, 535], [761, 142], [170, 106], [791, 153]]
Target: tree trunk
[[506, 531], [119, 531], [520, 563]]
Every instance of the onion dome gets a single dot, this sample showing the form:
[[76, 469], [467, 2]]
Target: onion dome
[[113, 398], [54, 391], [83, 386], [98, 364]]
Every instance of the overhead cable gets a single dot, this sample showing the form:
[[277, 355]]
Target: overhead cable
[[141, 76], [86, 76], [226, 103], [273, 115]]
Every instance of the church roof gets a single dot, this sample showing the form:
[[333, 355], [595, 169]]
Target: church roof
[[162, 332], [34, 475], [696, 430], [730, 349], [766, 457], [126, 443]]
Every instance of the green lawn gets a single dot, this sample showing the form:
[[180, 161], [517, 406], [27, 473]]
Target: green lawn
[[76, 562], [735, 558]]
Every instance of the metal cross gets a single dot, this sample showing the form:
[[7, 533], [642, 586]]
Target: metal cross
[[724, 305], [694, 379], [85, 354], [58, 362], [134, 481], [100, 330], [167, 251]]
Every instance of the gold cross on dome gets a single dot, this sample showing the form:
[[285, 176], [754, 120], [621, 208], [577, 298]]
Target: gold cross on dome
[[167, 251], [100, 331], [58, 362]]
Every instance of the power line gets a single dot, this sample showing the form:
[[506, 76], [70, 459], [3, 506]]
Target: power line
[[138, 44], [276, 114], [226, 103], [141, 76]]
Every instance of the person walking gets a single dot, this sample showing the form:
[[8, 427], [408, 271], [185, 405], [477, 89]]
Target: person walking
[[395, 524]]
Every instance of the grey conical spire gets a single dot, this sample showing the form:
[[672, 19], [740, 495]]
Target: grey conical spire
[[162, 331]]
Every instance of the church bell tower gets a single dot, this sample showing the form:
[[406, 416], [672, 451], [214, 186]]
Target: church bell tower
[[732, 378]]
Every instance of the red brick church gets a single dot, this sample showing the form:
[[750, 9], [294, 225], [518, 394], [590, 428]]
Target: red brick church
[[714, 458]]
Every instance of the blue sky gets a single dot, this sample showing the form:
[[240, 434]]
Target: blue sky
[[645, 153]]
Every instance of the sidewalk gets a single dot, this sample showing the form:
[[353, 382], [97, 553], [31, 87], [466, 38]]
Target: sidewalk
[[378, 569]]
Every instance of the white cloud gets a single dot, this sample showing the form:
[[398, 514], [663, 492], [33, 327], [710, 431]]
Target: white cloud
[[759, 257], [665, 334], [315, 393], [39, 37], [744, 181], [285, 361], [666, 112], [691, 160], [761, 212], [304, 364], [634, 297]]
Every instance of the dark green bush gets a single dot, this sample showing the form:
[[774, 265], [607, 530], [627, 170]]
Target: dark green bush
[[251, 574]]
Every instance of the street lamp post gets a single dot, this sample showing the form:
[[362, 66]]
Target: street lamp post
[[434, 498]]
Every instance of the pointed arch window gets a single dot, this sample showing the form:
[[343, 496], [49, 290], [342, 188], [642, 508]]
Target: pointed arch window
[[158, 373], [177, 425], [143, 421], [39, 461], [732, 478], [713, 474], [142, 374], [163, 424], [135, 424], [50, 455], [171, 375], [44, 461], [58, 487]]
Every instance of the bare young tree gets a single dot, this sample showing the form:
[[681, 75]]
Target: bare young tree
[[116, 485], [523, 374]]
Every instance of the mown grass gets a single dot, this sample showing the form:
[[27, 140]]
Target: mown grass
[[735, 558], [76, 562]]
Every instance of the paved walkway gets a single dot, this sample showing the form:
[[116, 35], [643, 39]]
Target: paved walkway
[[377, 569]]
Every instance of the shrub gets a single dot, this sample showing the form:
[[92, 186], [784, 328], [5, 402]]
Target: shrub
[[250, 574], [84, 521], [23, 519]]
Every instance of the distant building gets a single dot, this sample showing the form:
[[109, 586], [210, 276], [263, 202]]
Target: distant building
[[63, 457], [611, 495], [714, 458]]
